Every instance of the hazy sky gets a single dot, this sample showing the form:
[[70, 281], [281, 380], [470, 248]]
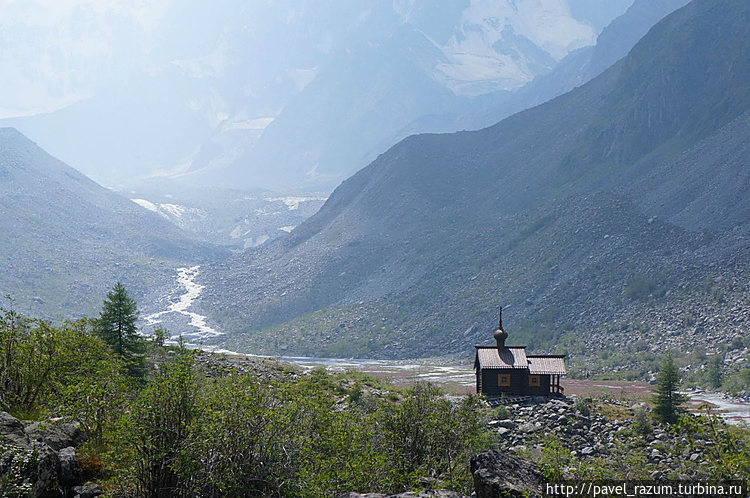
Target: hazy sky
[[166, 86], [54, 52]]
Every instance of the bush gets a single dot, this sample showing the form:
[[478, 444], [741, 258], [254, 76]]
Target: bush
[[160, 424], [582, 406], [641, 423]]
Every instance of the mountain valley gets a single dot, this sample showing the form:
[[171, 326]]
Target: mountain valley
[[309, 215], [618, 208], [67, 240]]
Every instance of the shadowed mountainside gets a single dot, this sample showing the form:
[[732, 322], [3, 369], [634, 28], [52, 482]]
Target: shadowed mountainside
[[618, 200], [67, 240]]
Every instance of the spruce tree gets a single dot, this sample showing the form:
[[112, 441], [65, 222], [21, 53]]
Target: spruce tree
[[667, 399], [117, 323]]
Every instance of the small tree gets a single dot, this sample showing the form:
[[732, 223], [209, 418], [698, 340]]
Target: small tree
[[714, 373], [160, 336], [667, 400], [116, 324]]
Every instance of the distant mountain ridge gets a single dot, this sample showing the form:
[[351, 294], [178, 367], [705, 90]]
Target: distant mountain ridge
[[67, 240], [314, 86], [623, 201]]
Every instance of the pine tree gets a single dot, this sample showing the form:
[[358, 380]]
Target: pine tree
[[667, 399], [117, 324]]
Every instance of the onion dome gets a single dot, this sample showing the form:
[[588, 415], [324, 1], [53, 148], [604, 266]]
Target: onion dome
[[500, 334]]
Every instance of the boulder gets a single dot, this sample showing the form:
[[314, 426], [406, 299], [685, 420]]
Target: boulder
[[12, 431], [528, 427], [47, 468], [496, 474], [57, 433], [70, 468], [40, 454], [87, 491]]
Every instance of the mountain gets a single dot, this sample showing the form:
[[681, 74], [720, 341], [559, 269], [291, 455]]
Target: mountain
[[226, 217], [579, 67], [67, 240], [616, 214], [612, 44], [124, 92], [436, 60]]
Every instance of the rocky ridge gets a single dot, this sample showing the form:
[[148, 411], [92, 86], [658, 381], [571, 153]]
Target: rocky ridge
[[39, 459], [573, 437]]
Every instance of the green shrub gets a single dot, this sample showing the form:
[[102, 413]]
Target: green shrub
[[583, 406], [641, 423]]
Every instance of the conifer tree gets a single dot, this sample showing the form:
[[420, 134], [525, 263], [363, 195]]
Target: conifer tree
[[667, 399], [117, 323]]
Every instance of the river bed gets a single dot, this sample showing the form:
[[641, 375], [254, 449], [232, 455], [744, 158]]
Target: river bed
[[456, 378], [192, 325]]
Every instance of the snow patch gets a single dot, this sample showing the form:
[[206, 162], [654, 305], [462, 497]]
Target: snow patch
[[146, 204], [236, 233], [293, 202], [168, 211], [256, 124], [256, 241], [302, 77], [174, 209], [490, 49]]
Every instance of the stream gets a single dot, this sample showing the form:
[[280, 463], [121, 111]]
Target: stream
[[192, 325], [732, 410], [195, 329]]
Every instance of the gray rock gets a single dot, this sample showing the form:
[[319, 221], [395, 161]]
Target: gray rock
[[47, 467], [496, 474], [12, 431], [57, 433], [70, 468], [588, 450], [527, 427], [87, 491], [52, 443], [506, 424]]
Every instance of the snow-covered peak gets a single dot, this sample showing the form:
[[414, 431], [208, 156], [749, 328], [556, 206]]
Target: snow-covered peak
[[503, 44]]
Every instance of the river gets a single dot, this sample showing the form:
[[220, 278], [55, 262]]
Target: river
[[732, 410], [192, 325], [457, 378]]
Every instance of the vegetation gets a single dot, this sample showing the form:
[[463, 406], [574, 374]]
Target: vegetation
[[117, 326], [187, 428], [698, 447], [177, 431], [667, 399]]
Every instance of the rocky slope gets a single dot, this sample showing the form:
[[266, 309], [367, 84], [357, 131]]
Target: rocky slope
[[613, 200], [40, 458], [574, 438], [67, 240]]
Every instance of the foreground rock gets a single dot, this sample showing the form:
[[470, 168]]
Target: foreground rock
[[39, 459], [499, 475], [440, 493]]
